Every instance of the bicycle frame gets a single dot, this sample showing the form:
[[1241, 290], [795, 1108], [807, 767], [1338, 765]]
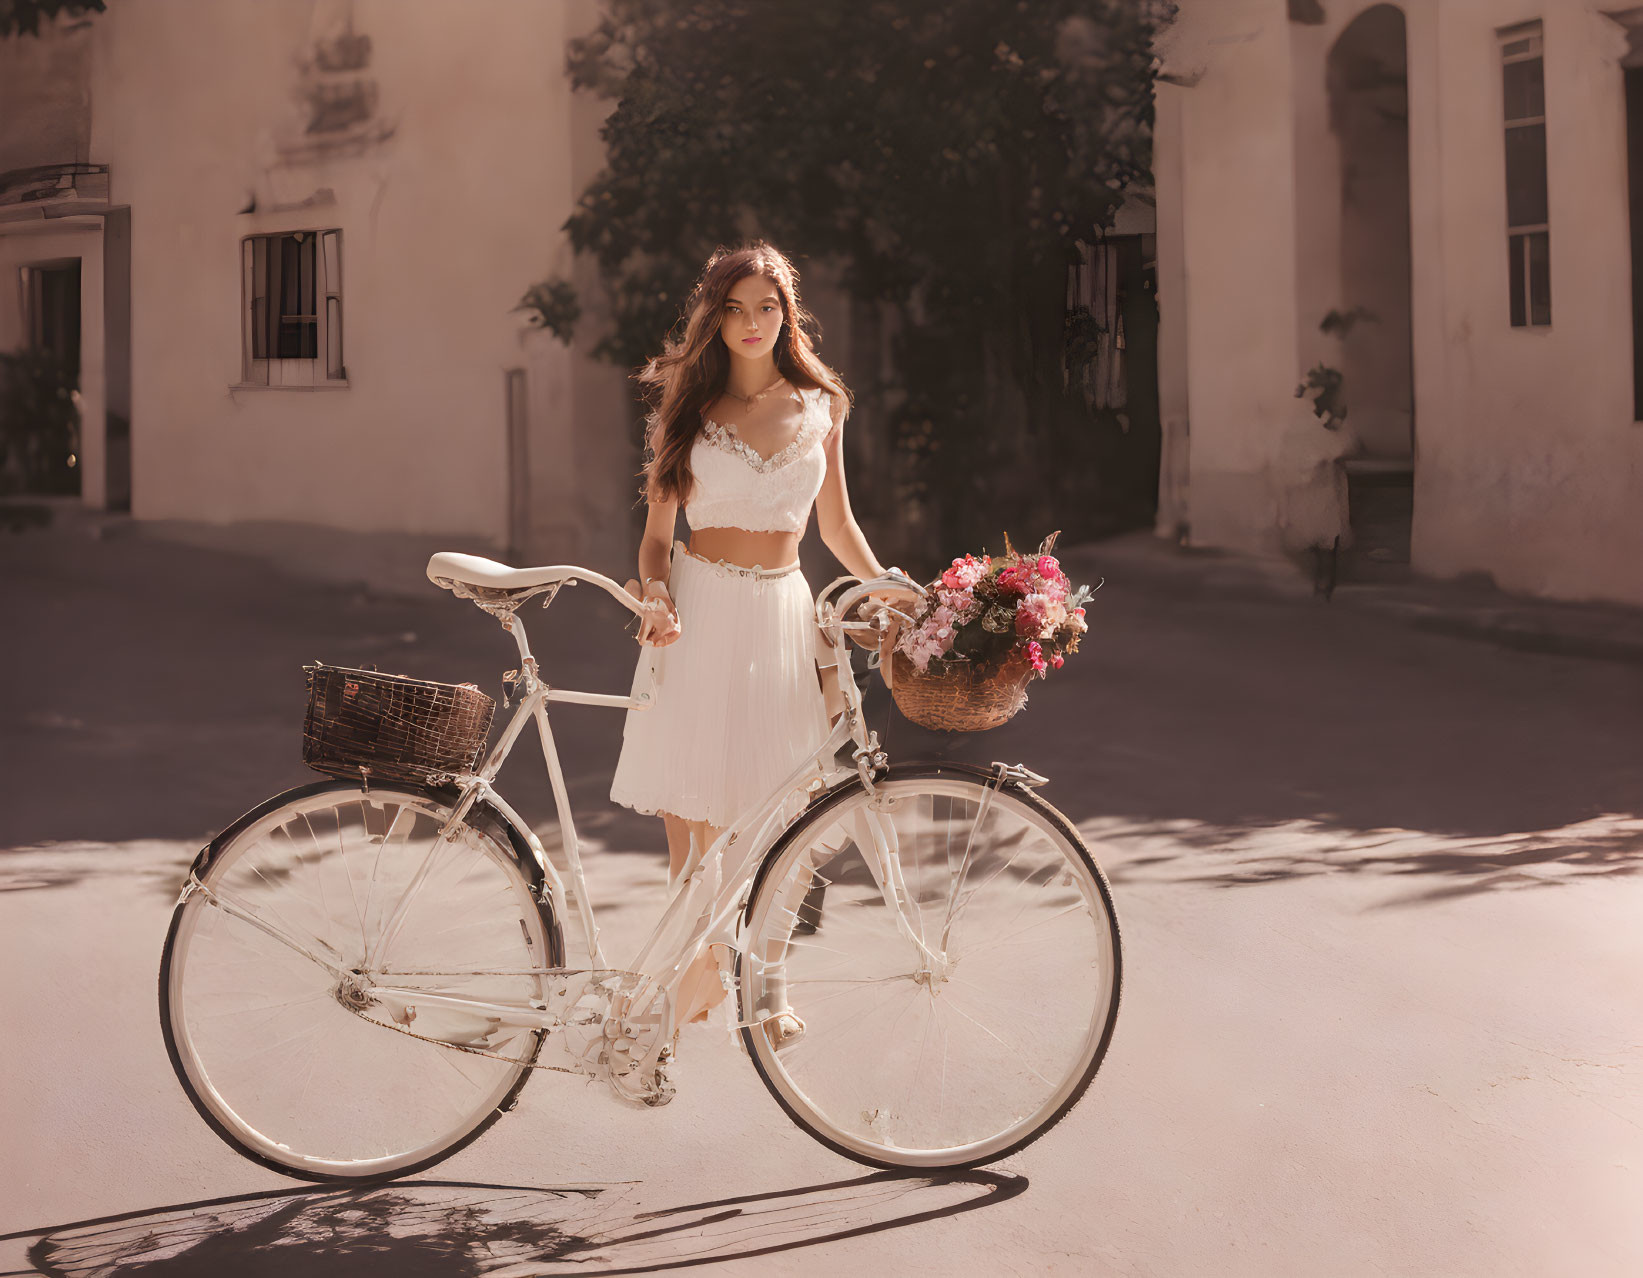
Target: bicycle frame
[[705, 903]]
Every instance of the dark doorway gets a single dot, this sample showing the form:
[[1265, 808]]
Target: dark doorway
[[39, 384], [117, 358], [1107, 455], [52, 311]]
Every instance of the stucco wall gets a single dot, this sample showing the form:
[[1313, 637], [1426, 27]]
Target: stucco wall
[[444, 224], [1528, 465], [600, 405], [1258, 471], [45, 102], [1531, 466]]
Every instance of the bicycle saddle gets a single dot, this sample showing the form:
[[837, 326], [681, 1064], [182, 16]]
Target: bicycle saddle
[[460, 574]]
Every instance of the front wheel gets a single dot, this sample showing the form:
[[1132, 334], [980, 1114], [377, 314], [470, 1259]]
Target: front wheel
[[290, 919], [953, 953]]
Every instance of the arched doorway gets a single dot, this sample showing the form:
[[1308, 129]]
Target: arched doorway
[[1368, 93]]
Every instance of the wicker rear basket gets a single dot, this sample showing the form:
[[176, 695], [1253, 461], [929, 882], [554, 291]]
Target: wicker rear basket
[[959, 696], [390, 727]]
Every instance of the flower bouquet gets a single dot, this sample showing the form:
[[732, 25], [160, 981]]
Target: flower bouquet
[[989, 627]]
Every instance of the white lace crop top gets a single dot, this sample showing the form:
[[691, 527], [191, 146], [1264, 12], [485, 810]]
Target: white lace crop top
[[737, 487]]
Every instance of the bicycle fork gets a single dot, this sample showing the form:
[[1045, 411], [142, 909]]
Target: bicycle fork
[[881, 851], [880, 848]]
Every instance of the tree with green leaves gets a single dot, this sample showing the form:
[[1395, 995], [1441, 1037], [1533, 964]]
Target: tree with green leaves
[[948, 158], [23, 17]]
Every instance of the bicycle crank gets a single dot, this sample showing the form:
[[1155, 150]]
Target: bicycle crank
[[585, 1032]]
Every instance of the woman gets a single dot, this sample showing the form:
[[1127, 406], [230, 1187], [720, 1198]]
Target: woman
[[746, 434]]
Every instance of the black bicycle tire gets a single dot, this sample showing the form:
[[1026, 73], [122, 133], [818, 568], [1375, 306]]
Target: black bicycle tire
[[913, 770], [443, 797]]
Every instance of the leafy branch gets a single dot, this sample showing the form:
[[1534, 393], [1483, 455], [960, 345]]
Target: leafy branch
[[962, 221], [22, 17]]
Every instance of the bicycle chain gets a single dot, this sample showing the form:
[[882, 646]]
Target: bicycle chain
[[647, 1096], [472, 1050]]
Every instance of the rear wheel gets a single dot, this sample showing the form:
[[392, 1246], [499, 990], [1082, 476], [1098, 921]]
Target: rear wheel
[[267, 970], [957, 1028]]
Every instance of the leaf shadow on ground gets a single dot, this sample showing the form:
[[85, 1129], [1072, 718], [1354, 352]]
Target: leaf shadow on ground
[[1422, 866], [1189, 702]]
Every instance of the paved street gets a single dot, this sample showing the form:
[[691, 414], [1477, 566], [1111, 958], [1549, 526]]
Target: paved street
[[1383, 1004]]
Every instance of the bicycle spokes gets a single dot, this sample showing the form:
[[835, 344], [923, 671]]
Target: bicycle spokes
[[957, 984], [271, 994]]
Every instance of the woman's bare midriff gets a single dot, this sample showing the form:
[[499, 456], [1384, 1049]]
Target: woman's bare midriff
[[745, 547]]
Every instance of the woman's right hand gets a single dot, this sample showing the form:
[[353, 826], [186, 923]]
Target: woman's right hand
[[660, 623]]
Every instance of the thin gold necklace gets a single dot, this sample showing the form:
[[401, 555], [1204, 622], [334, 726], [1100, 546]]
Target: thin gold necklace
[[756, 396]]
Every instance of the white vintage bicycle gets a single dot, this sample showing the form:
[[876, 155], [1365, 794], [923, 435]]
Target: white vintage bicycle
[[360, 978]]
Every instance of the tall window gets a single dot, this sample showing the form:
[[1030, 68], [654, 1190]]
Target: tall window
[[1527, 237], [293, 309]]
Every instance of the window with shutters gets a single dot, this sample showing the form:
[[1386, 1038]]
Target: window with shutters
[[1528, 237], [293, 309]]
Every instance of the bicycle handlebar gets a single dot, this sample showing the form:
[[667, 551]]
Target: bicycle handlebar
[[634, 606], [831, 616], [855, 595], [484, 579], [863, 588]]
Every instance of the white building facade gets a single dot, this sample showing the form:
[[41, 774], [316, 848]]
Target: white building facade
[[300, 231], [1437, 203]]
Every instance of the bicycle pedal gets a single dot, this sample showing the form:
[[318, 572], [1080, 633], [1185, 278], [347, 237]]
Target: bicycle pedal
[[661, 1091]]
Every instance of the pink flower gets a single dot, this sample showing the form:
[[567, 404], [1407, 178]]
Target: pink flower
[[1035, 654], [1049, 579], [1057, 660], [1032, 616], [920, 648], [931, 638], [962, 603], [964, 573], [1017, 579]]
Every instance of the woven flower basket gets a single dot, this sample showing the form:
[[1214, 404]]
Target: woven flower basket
[[389, 727], [960, 696]]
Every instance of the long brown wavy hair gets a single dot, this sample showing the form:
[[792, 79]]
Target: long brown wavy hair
[[691, 371]]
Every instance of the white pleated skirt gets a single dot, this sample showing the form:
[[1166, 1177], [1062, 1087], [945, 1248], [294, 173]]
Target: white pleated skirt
[[736, 702]]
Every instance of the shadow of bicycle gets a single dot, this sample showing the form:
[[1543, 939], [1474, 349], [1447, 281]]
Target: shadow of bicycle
[[441, 1229]]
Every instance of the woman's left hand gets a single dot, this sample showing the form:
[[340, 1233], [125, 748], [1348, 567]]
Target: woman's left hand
[[906, 599]]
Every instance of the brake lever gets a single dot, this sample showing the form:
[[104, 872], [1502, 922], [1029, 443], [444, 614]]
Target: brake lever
[[878, 609]]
